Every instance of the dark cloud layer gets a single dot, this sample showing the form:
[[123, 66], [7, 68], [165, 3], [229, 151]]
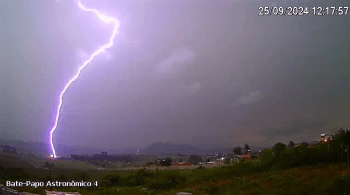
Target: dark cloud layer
[[207, 73]]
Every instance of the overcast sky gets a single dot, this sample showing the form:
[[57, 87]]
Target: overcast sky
[[208, 73]]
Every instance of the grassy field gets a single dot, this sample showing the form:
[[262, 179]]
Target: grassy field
[[295, 171], [306, 180], [221, 180]]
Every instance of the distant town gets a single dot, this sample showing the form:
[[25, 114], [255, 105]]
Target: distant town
[[139, 160]]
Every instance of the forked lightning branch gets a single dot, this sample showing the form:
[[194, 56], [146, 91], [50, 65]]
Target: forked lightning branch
[[105, 19]]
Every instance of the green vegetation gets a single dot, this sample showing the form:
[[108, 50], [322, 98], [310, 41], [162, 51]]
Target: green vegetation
[[281, 170], [237, 150]]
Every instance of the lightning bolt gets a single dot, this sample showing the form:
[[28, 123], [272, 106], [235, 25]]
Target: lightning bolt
[[106, 19]]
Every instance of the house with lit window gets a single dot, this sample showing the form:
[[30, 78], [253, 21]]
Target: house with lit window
[[243, 157]]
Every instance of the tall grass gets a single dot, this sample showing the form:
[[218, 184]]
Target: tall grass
[[109, 181]]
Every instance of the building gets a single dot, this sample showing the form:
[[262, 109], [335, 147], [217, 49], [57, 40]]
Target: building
[[182, 164], [243, 157], [325, 138], [195, 159], [229, 155], [313, 144], [211, 163], [219, 162], [236, 159], [8, 149], [303, 144]]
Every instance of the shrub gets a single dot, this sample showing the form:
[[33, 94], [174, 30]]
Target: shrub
[[130, 180], [251, 167], [149, 163], [295, 157], [168, 180], [62, 177], [254, 184], [111, 180], [14, 174], [211, 190], [146, 173], [81, 175], [190, 190], [338, 187], [174, 178]]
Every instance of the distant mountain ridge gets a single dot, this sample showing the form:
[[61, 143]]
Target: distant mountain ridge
[[167, 148], [42, 149]]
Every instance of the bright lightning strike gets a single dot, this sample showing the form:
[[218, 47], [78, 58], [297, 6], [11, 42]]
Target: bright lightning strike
[[106, 19]]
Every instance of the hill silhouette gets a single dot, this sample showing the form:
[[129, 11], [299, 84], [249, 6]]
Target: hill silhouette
[[167, 148]]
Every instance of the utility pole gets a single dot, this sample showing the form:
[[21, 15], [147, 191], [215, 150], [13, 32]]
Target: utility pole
[[157, 179], [328, 148], [241, 181], [50, 173], [341, 163], [347, 168]]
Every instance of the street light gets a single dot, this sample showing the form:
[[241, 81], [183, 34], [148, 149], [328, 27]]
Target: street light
[[51, 156], [346, 147]]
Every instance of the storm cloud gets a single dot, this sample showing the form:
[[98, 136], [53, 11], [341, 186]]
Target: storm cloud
[[206, 73]]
